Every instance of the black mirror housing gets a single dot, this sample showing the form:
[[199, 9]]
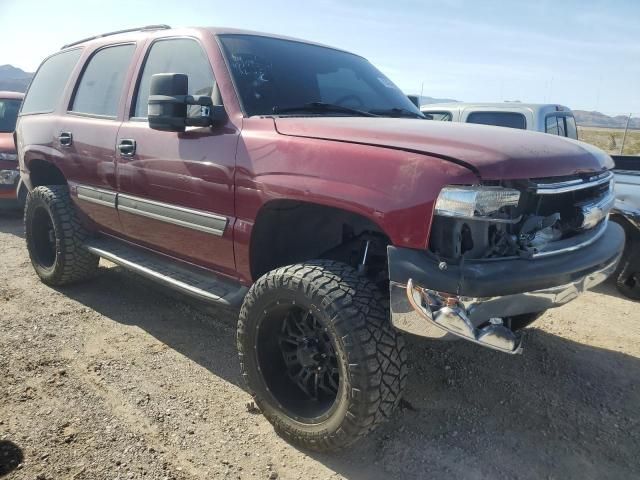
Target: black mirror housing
[[168, 101], [415, 100], [166, 109]]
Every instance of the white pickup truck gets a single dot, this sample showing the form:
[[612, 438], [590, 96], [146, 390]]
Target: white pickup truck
[[559, 120], [547, 118]]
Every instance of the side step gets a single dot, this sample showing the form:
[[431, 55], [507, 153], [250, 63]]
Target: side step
[[197, 282]]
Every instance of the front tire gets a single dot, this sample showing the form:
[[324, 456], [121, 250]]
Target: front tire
[[55, 237], [319, 354]]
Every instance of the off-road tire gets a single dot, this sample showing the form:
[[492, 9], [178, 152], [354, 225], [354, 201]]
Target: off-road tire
[[628, 278], [70, 261], [627, 274], [371, 354]]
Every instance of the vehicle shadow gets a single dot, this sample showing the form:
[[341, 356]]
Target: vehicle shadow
[[561, 410], [11, 223], [609, 288], [10, 457]]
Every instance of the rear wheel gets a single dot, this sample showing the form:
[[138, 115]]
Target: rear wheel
[[319, 354], [55, 237]]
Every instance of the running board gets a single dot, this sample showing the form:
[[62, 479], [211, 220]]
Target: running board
[[191, 280]]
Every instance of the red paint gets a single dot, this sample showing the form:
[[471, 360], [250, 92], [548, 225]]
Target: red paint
[[388, 170]]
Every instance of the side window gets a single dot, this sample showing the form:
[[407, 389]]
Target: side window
[[440, 116], [572, 129], [177, 55], [552, 125], [100, 87], [47, 86], [555, 125], [500, 119]]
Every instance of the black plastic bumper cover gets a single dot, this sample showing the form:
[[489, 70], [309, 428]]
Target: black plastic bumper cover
[[489, 278]]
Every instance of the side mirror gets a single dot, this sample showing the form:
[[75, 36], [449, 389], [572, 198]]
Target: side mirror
[[415, 100], [168, 102]]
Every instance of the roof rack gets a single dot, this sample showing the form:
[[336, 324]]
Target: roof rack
[[138, 29]]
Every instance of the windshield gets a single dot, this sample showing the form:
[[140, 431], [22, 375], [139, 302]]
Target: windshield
[[8, 114], [273, 75]]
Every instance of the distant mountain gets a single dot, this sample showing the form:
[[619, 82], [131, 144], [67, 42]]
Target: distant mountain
[[14, 79], [597, 119]]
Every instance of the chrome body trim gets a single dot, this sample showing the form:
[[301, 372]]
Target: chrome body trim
[[180, 216], [432, 314], [97, 196], [163, 212], [572, 185], [594, 212]]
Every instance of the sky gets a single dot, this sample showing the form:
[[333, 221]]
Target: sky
[[581, 53]]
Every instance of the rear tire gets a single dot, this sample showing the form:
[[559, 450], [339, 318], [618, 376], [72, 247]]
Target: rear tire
[[55, 237], [319, 354]]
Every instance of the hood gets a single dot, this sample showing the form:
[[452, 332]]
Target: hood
[[6, 142], [494, 153]]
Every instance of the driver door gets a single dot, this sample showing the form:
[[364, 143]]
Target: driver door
[[176, 190]]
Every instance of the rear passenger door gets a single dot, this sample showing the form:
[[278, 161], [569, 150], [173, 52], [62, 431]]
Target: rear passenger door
[[88, 132], [176, 189]]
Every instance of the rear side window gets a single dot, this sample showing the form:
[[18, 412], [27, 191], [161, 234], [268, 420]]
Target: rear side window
[[561, 125], [176, 55], [100, 87], [571, 130], [500, 119], [48, 84], [440, 116]]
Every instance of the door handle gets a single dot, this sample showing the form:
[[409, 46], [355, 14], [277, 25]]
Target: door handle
[[65, 139], [127, 147]]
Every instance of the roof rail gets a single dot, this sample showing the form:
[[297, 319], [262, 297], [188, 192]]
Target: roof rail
[[138, 29]]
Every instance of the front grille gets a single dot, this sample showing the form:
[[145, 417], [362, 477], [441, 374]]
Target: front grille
[[579, 204]]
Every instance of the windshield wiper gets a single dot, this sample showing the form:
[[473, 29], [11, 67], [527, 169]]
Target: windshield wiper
[[397, 112], [321, 107]]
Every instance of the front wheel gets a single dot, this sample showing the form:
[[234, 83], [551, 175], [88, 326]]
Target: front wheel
[[319, 354]]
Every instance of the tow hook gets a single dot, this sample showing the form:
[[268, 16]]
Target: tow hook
[[449, 313]]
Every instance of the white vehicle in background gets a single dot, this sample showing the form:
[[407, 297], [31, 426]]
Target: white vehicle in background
[[548, 118]]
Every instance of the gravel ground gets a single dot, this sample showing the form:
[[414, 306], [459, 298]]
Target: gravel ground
[[117, 379]]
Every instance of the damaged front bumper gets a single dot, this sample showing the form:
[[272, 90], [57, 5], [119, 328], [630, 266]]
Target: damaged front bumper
[[473, 299]]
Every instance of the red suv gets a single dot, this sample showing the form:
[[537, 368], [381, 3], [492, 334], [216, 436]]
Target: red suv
[[296, 182], [12, 192]]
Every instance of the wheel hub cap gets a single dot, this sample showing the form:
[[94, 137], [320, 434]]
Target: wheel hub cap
[[309, 355]]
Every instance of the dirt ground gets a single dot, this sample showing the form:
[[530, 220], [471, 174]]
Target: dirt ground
[[120, 379]]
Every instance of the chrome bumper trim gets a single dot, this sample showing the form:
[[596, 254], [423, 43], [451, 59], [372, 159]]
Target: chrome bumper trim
[[427, 313]]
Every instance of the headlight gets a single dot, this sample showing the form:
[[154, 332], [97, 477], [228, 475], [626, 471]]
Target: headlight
[[8, 156], [9, 177], [475, 202]]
